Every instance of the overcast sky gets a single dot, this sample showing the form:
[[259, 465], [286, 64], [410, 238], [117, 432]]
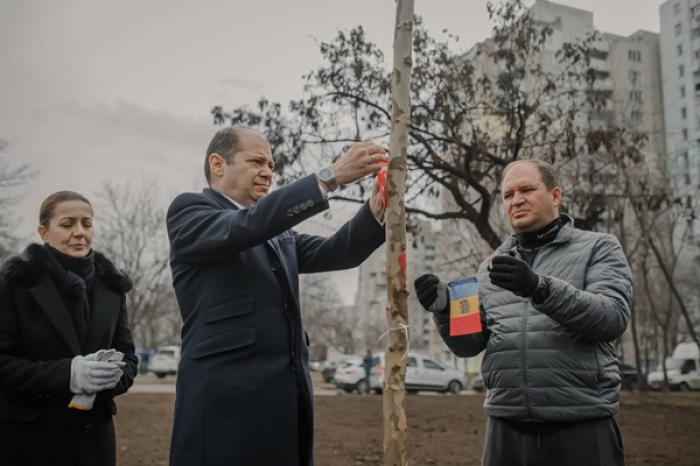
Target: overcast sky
[[95, 91]]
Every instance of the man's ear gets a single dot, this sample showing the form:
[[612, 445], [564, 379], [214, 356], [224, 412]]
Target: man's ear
[[556, 196], [216, 165]]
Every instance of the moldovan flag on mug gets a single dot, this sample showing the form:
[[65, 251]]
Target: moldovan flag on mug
[[465, 317]]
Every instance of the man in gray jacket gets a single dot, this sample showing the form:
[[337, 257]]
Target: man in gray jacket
[[553, 300]]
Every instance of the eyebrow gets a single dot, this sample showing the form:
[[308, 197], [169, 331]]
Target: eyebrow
[[72, 218]]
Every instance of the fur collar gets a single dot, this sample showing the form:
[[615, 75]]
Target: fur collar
[[29, 267]]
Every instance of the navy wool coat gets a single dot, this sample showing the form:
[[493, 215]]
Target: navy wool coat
[[244, 394]]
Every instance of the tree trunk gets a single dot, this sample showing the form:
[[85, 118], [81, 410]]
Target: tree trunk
[[397, 311]]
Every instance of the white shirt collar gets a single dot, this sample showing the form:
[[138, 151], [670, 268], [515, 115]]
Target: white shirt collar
[[233, 202]]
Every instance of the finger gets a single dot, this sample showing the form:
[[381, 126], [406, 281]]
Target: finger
[[504, 259], [105, 372], [425, 290], [425, 281], [502, 269], [501, 277], [373, 148], [427, 276], [375, 167]]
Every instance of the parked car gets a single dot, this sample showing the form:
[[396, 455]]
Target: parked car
[[328, 371], [422, 373], [350, 376], [165, 361], [682, 369], [630, 377], [477, 383]]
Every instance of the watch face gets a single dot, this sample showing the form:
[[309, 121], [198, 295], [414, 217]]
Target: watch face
[[325, 174]]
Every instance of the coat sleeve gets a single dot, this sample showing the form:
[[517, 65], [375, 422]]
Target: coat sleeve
[[123, 342], [21, 376], [599, 312], [202, 232], [347, 248], [464, 346]]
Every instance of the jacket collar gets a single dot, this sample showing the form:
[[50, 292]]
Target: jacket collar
[[30, 270], [226, 203], [220, 199], [565, 235]]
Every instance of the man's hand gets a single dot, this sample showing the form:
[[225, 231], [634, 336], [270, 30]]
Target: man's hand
[[431, 293], [376, 203], [359, 161], [514, 275]]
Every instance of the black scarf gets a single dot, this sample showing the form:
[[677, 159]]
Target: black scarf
[[537, 239], [74, 277]]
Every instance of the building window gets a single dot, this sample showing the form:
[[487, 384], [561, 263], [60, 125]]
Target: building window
[[684, 113], [679, 49], [636, 115], [636, 96], [685, 134], [634, 76], [678, 29], [697, 54], [682, 91], [677, 9], [634, 55], [681, 71]]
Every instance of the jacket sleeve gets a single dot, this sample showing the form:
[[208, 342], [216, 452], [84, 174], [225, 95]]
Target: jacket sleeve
[[464, 346], [347, 248], [22, 376], [600, 311], [123, 342], [200, 231]]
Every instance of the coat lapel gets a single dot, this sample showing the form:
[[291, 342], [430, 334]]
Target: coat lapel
[[104, 312], [47, 296], [225, 203]]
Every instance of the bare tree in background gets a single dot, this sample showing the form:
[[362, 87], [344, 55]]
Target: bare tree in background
[[329, 323], [12, 177], [472, 113], [131, 231]]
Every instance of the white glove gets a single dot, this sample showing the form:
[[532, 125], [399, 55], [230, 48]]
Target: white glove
[[93, 373]]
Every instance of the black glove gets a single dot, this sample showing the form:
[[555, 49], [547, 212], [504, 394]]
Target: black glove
[[431, 293], [514, 275]]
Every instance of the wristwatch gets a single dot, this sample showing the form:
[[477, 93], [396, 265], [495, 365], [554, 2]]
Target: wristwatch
[[541, 293], [326, 176]]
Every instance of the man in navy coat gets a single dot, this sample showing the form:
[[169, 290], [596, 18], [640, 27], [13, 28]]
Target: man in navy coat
[[244, 394]]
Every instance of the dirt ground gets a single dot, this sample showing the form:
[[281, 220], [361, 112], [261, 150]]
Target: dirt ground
[[660, 430]]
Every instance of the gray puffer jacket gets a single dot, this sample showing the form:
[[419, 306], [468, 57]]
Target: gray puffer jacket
[[554, 361]]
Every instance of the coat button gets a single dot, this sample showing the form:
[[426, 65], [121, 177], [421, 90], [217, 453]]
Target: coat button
[[275, 266]]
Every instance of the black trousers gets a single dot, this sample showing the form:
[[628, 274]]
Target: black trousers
[[597, 442]]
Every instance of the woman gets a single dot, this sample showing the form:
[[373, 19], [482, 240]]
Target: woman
[[60, 304]]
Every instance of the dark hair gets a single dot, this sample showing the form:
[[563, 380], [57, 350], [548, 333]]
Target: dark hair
[[547, 173], [225, 143], [50, 203]]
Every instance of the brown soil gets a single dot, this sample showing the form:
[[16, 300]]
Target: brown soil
[[658, 429]]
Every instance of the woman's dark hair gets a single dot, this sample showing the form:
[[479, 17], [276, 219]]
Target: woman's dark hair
[[49, 205]]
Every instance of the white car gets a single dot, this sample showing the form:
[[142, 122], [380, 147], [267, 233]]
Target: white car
[[350, 376], [422, 374], [682, 369], [165, 361]]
